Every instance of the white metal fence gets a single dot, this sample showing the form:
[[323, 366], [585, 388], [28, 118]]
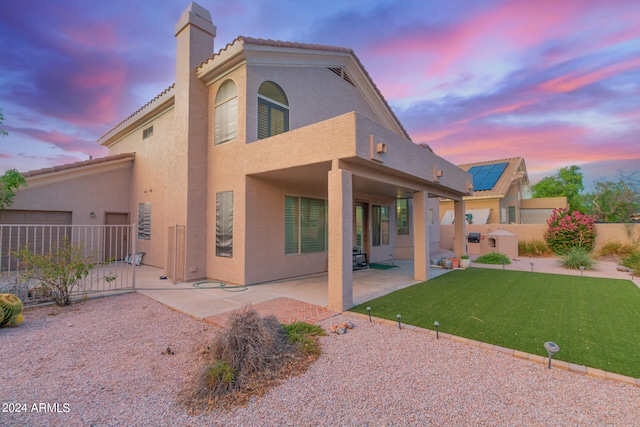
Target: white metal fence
[[109, 248]]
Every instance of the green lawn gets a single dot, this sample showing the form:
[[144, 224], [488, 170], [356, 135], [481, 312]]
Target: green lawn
[[594, 321]]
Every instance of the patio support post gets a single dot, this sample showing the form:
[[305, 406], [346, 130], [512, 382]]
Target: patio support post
[[421, 235], [340, 269], [459, 227]]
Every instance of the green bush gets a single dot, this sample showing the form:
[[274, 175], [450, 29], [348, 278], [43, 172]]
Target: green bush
[[567, 230], [302, 335], [60, 272], [632, 261], [534, 248], [577, 257], [493, 258], [221, 377]]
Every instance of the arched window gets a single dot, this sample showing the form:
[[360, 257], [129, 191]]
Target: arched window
[[273, 110], [226, 113]]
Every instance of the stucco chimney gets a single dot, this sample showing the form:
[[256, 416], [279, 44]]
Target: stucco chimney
[[186, 200]]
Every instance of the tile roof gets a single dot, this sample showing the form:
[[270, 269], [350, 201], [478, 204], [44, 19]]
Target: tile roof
[[76, 165], [167, 93], [516, 169]]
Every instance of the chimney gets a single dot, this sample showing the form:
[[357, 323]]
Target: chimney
[[194, 34]]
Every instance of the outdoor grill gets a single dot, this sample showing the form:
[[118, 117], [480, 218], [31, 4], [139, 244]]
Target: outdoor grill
[[473, 238], [359, 258]]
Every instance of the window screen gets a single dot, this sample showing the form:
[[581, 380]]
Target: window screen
[[306, 228], [224, 224], [144, 221], [380, 225], [402, 216], [273, 110], [226, 113]]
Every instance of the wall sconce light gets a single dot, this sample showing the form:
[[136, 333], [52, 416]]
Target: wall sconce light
[[92, 214], [381, 148], [439, 173]]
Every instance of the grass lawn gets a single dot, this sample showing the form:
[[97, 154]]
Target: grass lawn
[[594, 321]]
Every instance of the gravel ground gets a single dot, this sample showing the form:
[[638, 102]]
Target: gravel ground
[[102, 363]]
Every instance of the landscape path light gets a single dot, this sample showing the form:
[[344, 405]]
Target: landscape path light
[[582, 270], [552, 348], [437, 325], [399, 325], [369, 311], [531, 266], [503, 262]]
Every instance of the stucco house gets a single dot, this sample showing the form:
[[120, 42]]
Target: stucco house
[[265, 160], [499, 195]]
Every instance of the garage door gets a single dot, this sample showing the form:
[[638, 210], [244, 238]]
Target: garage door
[[18, 230]]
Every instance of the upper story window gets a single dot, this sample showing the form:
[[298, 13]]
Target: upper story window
[[148, 132], [273, 110], [226, 113]]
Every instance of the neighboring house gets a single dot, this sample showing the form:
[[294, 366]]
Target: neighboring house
[[498, 196], [273, 160]]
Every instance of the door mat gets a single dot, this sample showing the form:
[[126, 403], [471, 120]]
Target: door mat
[[382, 266]]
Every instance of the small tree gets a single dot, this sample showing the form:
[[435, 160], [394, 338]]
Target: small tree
[[61, 272], [567, 182], [2, 131], [570, 230], [616, 201], [9, 182]]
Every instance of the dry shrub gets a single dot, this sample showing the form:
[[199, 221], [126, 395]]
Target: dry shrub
[[617, 249], [246, 358]]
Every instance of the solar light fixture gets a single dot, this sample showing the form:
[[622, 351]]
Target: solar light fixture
[[582, 270], [369, 311], [399, 325], [531, 266], [437, 325], [503, 263], [552, 348]]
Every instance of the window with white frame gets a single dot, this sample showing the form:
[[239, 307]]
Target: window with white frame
[[305, 225], [273, 110], [380, 225], [224, 224], [226, 113], [144, 221]]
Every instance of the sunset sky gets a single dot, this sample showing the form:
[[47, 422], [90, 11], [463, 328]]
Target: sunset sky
[[554, 81]]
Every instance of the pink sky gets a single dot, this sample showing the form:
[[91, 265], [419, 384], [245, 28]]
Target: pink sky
[[555, 82]]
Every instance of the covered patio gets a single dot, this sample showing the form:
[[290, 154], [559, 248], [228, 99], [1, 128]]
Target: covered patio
[[306, 295]]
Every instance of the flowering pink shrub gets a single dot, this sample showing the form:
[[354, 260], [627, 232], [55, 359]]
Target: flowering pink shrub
[[570, 230]]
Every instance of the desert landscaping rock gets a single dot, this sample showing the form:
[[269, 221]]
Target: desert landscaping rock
[[111, 368]]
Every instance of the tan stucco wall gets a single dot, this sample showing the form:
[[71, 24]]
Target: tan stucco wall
[[544, 203], [314, 94], [79, 192], [529, 232], [150, 179]]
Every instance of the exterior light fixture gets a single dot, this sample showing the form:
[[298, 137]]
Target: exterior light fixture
[[398, 317], [92, 214], [531, 266], [369, 311], [582, 270], [552, 348], [503, 263], [437, 325]]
